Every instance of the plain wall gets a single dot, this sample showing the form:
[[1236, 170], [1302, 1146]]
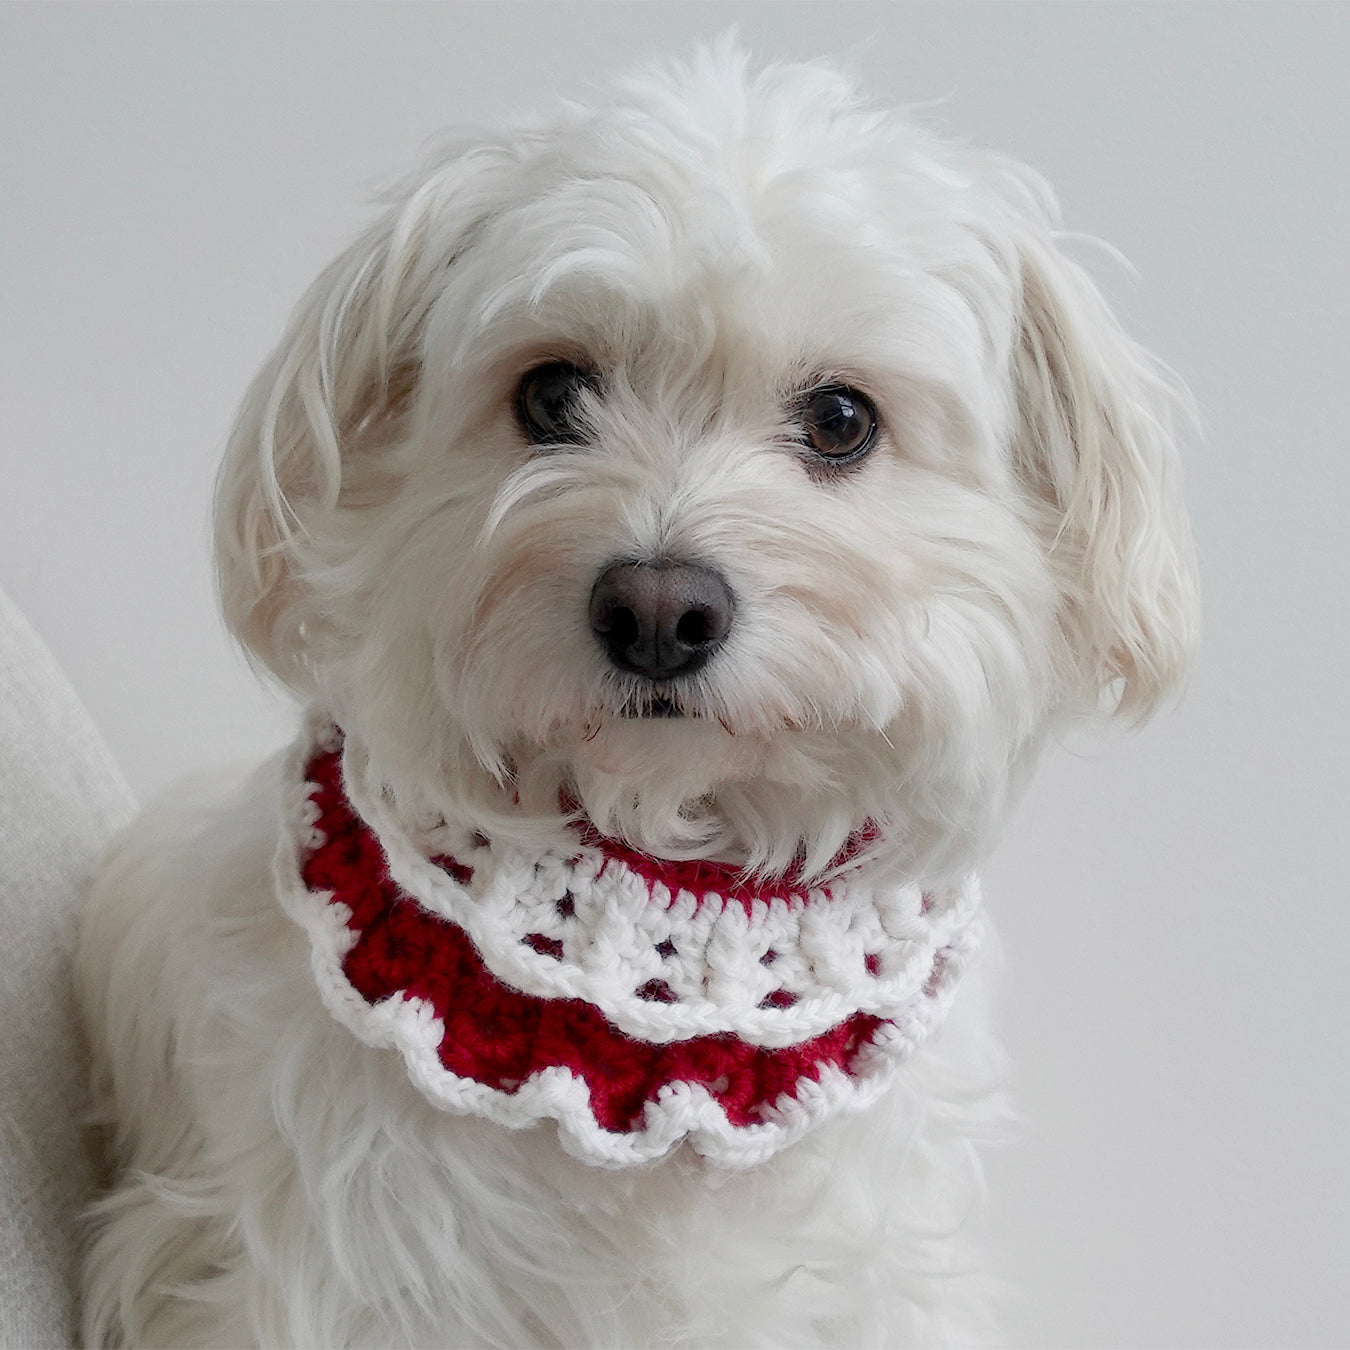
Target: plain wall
[[1174, 906]]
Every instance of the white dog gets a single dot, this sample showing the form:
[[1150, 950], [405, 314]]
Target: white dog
[[682, 518]]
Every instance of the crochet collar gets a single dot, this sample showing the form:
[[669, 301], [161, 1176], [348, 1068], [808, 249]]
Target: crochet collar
[[640, 1004]]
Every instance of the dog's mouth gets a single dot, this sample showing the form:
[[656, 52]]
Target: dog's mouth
[[655, 705], [653, 700]]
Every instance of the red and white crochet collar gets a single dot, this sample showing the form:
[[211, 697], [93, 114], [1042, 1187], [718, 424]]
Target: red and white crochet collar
[[640, 1004]]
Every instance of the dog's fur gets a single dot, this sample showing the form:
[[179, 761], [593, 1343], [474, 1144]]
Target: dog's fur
[[709, 243]]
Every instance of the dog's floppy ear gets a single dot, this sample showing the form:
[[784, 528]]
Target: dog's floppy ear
[[1095, 446], [335, 392], [346, 367]]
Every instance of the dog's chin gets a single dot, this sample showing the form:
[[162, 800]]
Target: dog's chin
[[658, 736]]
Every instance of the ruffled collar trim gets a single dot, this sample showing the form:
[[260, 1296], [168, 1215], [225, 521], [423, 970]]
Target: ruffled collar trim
[[638, 1003]]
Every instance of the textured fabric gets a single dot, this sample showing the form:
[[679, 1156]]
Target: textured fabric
[[60, 798], [639, 1003]]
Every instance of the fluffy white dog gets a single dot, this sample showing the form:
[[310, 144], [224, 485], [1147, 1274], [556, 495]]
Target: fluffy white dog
[[682, 517]]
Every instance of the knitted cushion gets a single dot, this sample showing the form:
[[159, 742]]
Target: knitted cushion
[[60, 798]]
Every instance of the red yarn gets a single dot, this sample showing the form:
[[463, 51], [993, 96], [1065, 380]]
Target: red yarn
[[699, 875], [500, 1036]]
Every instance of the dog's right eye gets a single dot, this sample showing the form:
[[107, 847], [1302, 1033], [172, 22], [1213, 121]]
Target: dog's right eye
[[838, 423], [548, 403]]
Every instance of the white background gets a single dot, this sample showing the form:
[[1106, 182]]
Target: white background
[[1174, 907]]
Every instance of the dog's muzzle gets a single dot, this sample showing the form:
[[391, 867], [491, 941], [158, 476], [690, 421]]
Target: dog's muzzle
[[662, 619]]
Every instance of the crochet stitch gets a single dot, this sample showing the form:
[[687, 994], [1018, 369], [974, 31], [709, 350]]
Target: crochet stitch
[[638, 1003]]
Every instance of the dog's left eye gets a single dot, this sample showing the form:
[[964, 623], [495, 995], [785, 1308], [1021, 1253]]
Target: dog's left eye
[[839, 423], [548, 403]]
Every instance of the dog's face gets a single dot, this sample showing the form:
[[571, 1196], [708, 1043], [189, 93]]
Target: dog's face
[[732, 461]]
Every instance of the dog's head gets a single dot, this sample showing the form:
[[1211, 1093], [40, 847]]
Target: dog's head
[[731, 461]]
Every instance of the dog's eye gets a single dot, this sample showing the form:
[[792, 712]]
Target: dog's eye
[[548, 403], [839, 423]]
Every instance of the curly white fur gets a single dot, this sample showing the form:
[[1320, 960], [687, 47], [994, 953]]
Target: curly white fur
[[711, 242]]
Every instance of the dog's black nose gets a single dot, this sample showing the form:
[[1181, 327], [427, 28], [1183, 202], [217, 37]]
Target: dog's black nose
[[660, 619]]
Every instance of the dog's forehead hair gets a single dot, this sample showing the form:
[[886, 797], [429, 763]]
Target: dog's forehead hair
[[605, 262], [778, 222]]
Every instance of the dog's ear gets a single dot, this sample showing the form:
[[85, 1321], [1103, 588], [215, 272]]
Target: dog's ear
[[1095, 447], [336, 391]]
